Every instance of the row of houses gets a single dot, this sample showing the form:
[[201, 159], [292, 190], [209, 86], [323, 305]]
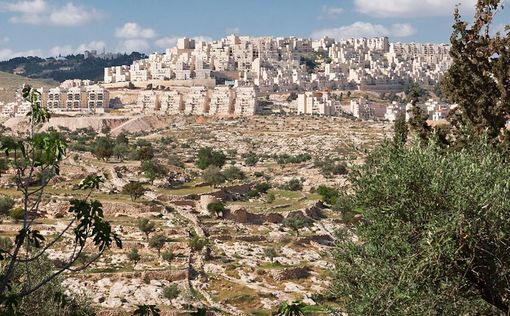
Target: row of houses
[[366, 110], [222, 100], [71, 96]]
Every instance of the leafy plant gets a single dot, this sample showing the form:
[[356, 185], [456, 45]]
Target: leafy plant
[[171, 292], [152, 170], [434, 235], [295, 308], [158, 242], [478, 81], [213, 176], [196, 243], [146, 227], [41, 153], [134, 256], [295, 222], [146, 310], [207, 157], [6, 204], [135, 190], [216, 208]]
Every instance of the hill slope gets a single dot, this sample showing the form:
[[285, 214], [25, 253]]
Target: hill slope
[[68, 67], [9, 83]]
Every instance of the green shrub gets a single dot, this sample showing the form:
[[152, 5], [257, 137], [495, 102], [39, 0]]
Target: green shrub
[[213, 175], [17, 214], [158, 242], [329, 195], [251, 159], [6, 204], [174, 160], [168, 256], [260, 188], [6, 243], [134, 256], [434, 235], [216, 208], [171, 292], [196, 243], [293, 185], [234, 173], [207, 157]]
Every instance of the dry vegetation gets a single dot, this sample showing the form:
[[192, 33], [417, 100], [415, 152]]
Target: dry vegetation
[[232, 273]]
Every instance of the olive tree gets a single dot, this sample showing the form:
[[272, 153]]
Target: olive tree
[[478, 79], [34, 154], [434, 235]]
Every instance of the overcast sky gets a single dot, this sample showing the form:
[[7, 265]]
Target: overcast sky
[[53, 27]]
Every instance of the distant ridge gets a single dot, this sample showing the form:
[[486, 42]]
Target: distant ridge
[[9, 83]]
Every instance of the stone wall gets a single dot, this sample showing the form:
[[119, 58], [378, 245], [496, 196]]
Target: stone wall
[[290, 274]]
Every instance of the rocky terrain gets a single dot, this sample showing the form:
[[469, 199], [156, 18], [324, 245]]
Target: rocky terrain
[[244, 261]]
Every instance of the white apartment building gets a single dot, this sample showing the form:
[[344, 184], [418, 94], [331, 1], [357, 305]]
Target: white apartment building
[[56, 99], [171, 102], [362, 109], [117, 74], [246, 101], [148, 102], [197, 101], [277, 64], [97, 98], [393, 111], [222, 101], [315, 103], [74, 99]]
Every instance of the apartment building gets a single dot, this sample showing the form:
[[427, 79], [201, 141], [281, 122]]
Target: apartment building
[[171, 102], [246, 101], [197, 101], [148, 102], [222, 101], [315, 103]]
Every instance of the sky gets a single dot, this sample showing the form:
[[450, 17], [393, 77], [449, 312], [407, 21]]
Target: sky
[[52, 27]]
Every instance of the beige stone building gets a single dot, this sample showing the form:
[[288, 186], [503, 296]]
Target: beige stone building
[[222, 101], [197, 101], [246, 101], [171, 102]]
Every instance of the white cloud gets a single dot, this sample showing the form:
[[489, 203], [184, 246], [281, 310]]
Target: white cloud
[[4, 40], [329, 12], [412, 8], [68, 49], [232, 30], [365, 29], [171, 41], [71, 15], [39, 12], [202, 38], [6, 53], [27, 6], [135, 44], [166, 42], [132, 30], [402, 30]]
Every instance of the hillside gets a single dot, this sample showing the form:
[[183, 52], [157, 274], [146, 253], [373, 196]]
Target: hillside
[[68, 67], [9, 83]]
